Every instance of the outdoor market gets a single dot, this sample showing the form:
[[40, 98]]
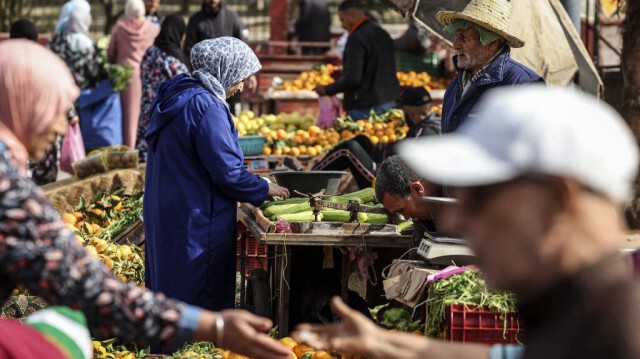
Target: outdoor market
[[319, 179]]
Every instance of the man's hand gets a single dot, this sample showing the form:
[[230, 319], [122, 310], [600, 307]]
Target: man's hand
[[356, 334], [279, 191], [243, 333], [320, 90]]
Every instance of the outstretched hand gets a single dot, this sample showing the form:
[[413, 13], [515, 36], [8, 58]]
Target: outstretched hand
[[244, 333]]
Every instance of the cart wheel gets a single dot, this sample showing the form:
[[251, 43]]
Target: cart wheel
[[259, 293]]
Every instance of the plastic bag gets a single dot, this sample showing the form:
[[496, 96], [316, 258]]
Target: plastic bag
[[72, 149], [329, 109]]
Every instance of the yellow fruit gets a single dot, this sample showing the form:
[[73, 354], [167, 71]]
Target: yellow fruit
[[79, 239], [277, 151], [321, 354], [295, 151], [101, 245], [384, 139], [123, 278], [225, 354], [266, 150], [124, 251], [233, 355], [319, 148], [69, 218], [108, 262], [374, 140], [286, 150], [71, 227], [346, 134], [303, 149], [92, 250], [126, 355], [314, 130], [302, 349], [288, 342], [312, 151], [78, 216]]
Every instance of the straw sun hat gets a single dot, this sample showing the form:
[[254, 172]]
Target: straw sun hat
[[493, 15]]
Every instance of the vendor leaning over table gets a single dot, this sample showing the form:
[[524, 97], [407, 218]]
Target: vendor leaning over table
[[401, 190], [39, 252], [368, 79], [195, 177]]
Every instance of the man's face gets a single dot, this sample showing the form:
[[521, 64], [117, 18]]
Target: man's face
[[345, 19], [151, 5], [213, 5], [411, 206], [471, 54], [506, 226], [415, 114]]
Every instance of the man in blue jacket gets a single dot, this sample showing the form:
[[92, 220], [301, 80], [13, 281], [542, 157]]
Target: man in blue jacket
[[482, 48]]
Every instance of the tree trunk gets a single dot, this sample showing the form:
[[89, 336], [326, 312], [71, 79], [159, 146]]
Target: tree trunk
[[631, 92]]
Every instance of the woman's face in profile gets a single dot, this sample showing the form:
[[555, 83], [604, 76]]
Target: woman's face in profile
[[235, 88], [38, 144]]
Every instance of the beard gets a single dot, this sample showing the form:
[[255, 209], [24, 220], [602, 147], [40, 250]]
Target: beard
[[473, 60]]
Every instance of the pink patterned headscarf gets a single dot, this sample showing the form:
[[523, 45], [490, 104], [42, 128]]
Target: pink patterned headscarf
[[36, 87]]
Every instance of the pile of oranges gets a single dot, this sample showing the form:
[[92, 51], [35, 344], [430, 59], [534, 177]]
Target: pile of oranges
[[322, 76], [313, 141], [419, 79], [310, 79], [302, 351]]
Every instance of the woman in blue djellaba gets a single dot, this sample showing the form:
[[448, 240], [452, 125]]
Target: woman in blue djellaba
[[195, 177]]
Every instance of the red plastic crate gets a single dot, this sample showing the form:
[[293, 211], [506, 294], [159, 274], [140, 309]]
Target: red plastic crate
[[255, 255], [480, 326]]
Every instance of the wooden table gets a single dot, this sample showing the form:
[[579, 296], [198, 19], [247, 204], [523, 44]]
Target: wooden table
[[280, 272]]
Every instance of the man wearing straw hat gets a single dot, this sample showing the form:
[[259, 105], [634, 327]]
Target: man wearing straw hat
[[482, 48]]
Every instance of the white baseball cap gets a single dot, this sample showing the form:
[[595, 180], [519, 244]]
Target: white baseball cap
[[533, 130]]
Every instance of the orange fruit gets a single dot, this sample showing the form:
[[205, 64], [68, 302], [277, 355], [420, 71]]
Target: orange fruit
[[233, 355], [321, 354], [393, 138], [286, 150], [266, 150], [374, 140], [295, 151], [302, 349], [122, 277], [281, 134], [378, 126], [389, 131], [384, 139], [126, 355], [288, 342], [92, 250], [314, 130], [69, 218], [312, 151], [277, 151], [71, 227], [346, 134], [303, 149], [320, 148]]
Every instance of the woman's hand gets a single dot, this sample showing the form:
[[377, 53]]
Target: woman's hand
[[279, 191], [243, 333]]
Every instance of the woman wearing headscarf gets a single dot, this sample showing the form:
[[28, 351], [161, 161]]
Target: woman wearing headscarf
[[73, 45], [162, 61], [130, 39], [195, 177], [40, 253]]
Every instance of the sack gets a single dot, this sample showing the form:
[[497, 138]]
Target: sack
[[100, 115], [329, 109], [72, 149]]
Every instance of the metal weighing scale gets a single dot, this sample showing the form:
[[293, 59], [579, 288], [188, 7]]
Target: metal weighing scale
[[441, 250]]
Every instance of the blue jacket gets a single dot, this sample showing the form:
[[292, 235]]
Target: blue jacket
[[502, 71], [194, 178]]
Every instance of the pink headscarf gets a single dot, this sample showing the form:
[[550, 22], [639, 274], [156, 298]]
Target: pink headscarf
[[36, 87]]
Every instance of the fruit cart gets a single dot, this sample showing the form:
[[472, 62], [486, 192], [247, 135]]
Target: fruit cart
[[317, 234]]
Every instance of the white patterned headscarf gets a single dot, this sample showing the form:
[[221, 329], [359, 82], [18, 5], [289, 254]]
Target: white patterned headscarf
[[220, 63]]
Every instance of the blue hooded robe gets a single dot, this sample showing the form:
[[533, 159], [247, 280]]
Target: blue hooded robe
[[194, 178]]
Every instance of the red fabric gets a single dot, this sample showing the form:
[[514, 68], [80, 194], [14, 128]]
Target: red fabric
[[19, 341]]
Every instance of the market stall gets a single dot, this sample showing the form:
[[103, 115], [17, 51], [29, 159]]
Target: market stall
[[345, 235]]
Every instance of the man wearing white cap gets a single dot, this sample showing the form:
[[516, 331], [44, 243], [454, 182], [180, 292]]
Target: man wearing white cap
[[482, 59], [541, 191]]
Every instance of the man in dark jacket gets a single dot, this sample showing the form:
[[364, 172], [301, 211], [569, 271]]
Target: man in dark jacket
[[482, 48], [313, 25], [369, 70], [213, 21]]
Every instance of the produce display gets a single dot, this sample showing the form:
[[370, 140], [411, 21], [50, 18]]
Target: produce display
[[294, 135], [323, 75], [466, 288], [98, 222]]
